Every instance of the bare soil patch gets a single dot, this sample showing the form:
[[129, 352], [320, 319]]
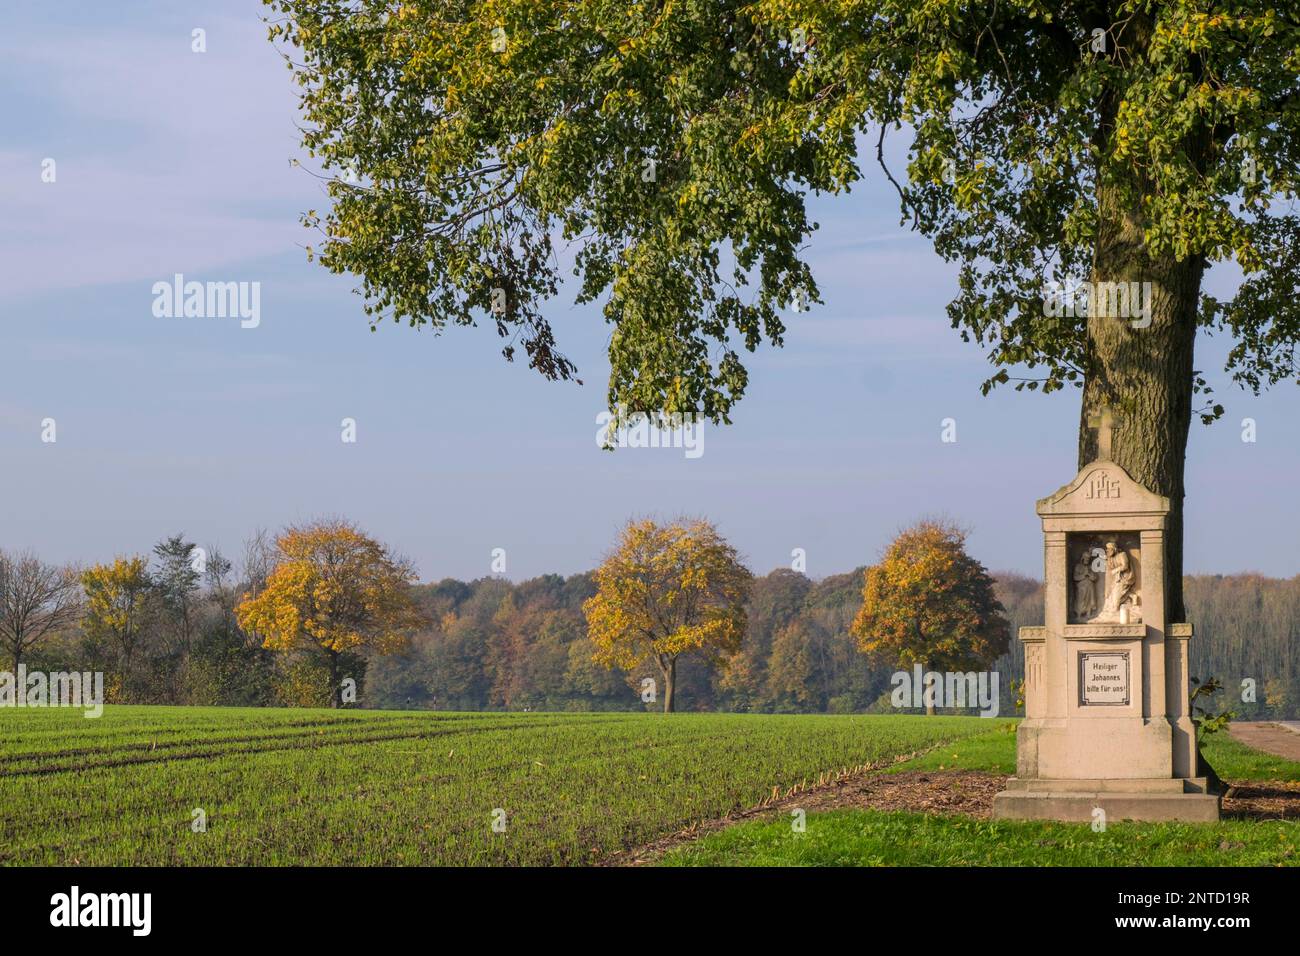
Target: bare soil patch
[[1262, 800]]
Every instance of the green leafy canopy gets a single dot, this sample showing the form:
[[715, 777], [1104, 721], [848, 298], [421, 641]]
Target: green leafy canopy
[[665, 151]]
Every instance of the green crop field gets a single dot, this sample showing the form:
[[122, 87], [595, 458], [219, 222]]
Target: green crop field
[[354, 787]]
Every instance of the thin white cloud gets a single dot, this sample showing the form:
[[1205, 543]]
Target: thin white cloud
[[192, 175]]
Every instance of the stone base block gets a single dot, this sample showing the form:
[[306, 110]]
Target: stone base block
[[1110, 785], [1078, 748], [1072, 801]]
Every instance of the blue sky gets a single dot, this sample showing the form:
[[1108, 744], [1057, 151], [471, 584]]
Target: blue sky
[[170, 161]]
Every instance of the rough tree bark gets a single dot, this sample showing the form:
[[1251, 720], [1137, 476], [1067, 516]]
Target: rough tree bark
[[670, 685], [1144, 375]]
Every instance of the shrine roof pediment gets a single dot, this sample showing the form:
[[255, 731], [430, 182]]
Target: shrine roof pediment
[[1102, 487]]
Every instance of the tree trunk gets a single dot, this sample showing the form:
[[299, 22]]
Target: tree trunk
[[1144, 375], [336, 692], [125, 668], [670, 685]]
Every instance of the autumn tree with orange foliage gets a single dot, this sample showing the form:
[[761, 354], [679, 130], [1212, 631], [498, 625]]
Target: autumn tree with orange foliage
[[928, 602], [333, 590], [117, 595], [664, 591]]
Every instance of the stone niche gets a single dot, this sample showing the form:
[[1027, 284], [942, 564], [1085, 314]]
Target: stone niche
[[1107, 722], [1105, 568]]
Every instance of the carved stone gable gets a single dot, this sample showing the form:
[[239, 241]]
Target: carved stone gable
[[1103, 487]]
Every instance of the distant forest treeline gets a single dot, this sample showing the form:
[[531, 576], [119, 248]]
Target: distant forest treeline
[[495, 645]]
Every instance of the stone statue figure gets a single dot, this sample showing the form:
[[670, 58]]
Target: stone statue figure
[[1119, 580], [1085, 588]]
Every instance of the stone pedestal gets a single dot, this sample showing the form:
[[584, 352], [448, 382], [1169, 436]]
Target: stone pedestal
[[1107, 720]]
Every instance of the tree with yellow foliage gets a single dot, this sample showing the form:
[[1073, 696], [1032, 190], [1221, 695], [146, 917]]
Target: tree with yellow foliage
[[928, 602], [333, 590], [116, 598], [667, 590]]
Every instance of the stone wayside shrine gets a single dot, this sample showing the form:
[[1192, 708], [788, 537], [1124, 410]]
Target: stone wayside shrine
[[1107, 721]]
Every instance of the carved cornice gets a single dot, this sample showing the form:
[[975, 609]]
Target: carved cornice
[[1103, 632]]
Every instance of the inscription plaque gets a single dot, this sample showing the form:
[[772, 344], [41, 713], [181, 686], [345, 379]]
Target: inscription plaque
[[1103, 678]]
